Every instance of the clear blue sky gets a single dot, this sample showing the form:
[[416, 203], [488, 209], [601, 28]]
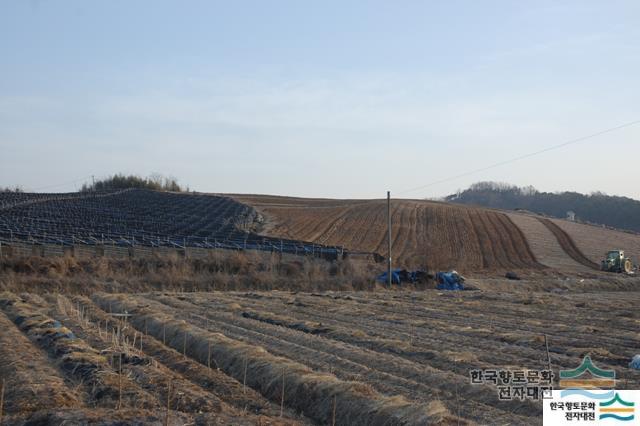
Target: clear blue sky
[[332, 98]]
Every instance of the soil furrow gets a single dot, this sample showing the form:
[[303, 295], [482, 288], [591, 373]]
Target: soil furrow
[[386, 363], [209, 378], [307, 389]]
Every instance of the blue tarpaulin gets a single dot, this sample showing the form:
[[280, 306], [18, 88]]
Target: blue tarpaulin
[[395, 276], [449, 281], [399, 276]]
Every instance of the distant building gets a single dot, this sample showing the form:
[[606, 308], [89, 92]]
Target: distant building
[[571, 215]]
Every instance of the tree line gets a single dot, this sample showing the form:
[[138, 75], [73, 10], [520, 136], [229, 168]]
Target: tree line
[[156, 182], [596, 208], [16, 189]]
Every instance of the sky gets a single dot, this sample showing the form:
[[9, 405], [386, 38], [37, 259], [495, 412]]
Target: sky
[[341, 99]]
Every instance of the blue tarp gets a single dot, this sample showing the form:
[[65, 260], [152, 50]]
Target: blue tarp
[[449, 281], [399, 276], [635, 363], [395, 276]]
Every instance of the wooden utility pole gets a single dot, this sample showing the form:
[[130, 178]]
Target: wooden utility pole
[[389, 238]]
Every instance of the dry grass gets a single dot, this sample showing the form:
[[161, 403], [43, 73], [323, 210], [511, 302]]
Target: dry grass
[[218, 385], [150, 375], [86, 365], [31, 383], [103, 417], [334, 352], [223, 270], [305, 390]]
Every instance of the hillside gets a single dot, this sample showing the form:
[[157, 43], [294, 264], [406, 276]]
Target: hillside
[[444, 235], [597, 208], [546, 248], [594, 241], [137, 217], [425, 234], [122, 215]]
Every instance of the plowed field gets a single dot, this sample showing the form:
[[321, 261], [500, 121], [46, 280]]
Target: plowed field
[[298, 358], [425, 234], [595, 241], [66, 361], [568, 245], [444, 236], [545, 246]]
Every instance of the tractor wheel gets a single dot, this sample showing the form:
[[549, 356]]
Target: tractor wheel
[[627, 266]]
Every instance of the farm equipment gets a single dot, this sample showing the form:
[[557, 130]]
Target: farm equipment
[[617, 262]]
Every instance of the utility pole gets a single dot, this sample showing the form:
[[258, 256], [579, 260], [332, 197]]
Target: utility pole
[[389, 237]]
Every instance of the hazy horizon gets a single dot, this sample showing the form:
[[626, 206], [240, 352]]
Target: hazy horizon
[[333, 100], [186, 187]]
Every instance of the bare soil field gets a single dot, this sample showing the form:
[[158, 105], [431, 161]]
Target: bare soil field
[[300, 358], [573, 247], [595, 241], [445, 236], [545, 246], [557, 253], [425, 234], [568, 245]]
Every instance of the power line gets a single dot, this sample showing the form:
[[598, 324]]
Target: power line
[[522, 157]]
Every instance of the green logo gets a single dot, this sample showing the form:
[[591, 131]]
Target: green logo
[[625, 412], [599, 378]]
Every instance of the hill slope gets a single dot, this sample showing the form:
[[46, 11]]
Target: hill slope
[[595, 241], [138, 217], [544, 245], [425, 234], [444, 235]]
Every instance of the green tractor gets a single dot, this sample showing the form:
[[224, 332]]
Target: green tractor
[[617, 262]]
